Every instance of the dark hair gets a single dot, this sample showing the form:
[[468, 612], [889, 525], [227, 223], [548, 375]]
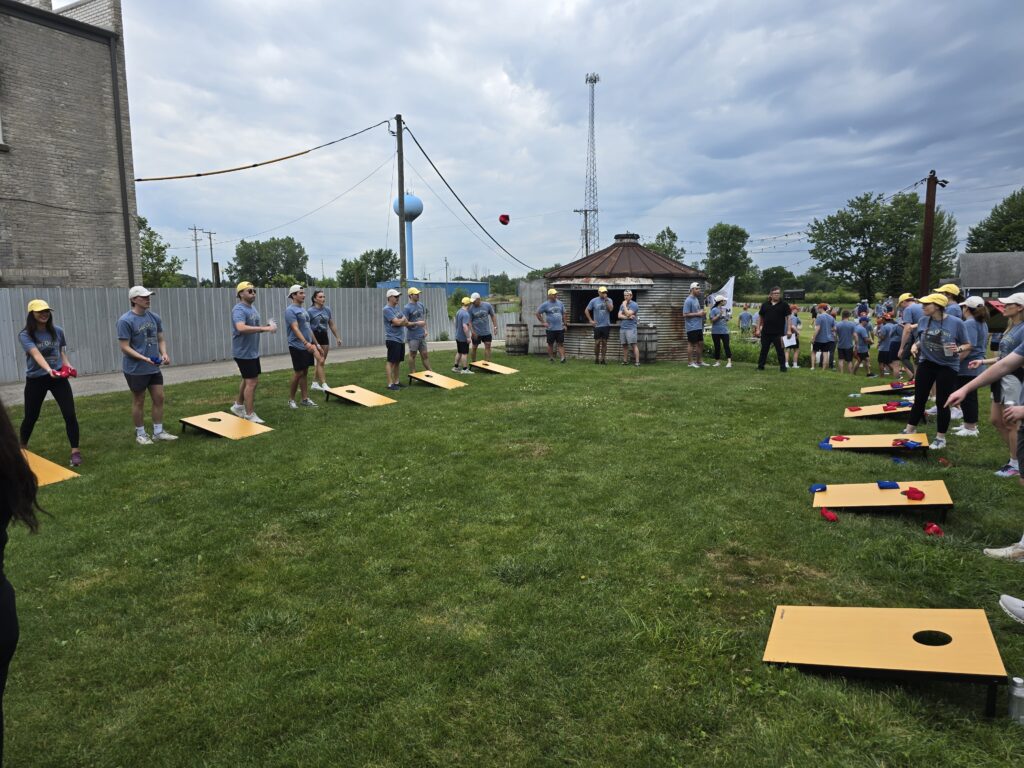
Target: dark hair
[[16, 478], [846, 313], [31, 326], [775, 288], [316, 292]]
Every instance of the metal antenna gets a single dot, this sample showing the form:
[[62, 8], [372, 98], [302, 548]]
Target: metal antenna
[[591, 233]]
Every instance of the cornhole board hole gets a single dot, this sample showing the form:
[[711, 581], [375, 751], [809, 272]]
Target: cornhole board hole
[[358, 395], [869, 496], [486, 365], [921, 643], [873, 410], [46, 471], [877, 442], [224, 425], [436, 380], [888, 389]]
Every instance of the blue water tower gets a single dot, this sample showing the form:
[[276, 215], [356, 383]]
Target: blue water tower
[[413, 208]]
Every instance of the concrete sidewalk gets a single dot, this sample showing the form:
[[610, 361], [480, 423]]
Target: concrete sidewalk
[[13, 394]]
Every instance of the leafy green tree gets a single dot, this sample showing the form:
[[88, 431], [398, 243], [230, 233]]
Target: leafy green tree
[[816, 280], [727, 257], [370, 268], [772, 276], [537, 274], [268, 262], [159, 269], [666, 243], [1002, 229], [502, 284]]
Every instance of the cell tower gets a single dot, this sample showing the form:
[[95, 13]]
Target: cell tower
[[591, 231]]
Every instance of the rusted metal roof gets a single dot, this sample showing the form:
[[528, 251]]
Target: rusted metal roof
[[625, 258]]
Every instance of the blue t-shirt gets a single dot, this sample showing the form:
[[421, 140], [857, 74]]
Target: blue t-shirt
[[934, 338], [480, 318], [795, 324], [320, 317], [863, 337], [393, 332], [692, 304], [629, 324], [719, 321], [977, 335], [245, 346], [296, 313], [913, 313], [844, 334], [462, 318], [953, 310], [883, 335], [141, 333], [49, 347], [414, 312], [825, 334], [553, 312], [598, 309], [746, 320]]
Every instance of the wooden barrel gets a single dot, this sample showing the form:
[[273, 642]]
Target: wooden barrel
[[647, 341], [517, 339]]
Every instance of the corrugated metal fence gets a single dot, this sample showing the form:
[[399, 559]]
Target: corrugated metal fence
[[197, 322]]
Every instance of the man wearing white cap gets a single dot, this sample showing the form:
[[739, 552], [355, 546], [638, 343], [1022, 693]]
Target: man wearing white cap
[[302, 346], [598, 314], [485, 324], [551, 315], [140, 334], [416, 330], [693, 324], [394, 338]]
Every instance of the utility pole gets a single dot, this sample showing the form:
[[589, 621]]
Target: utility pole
[[214, 277], [446, 272], [195, 242], [323, 270], [401, 203], [586, 227], [929, 230]]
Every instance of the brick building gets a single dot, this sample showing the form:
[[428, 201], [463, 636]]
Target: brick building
[[67, 195]]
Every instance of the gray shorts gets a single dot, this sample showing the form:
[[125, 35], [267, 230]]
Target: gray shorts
[[627, 335], [417, 345]]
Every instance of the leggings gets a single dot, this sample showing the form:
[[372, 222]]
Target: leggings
[[767, 341], [970, 404], [944, 378], [35, 393], [8, 642], [719, 339]]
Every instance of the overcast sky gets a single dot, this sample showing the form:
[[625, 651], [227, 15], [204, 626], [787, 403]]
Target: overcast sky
[[758, 114]]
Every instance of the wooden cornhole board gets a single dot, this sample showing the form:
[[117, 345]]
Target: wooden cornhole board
[[436, 380], [950, 644], [486, 365], [870, 496], [873, 410], [877, 442], [224, 425], [358, 395], [886, 389], [46, 471]]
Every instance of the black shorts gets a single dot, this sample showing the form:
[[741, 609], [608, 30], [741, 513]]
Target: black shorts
[[863, 355], [695, 337], [140, 382], [884, 358], [845, 354], [797, 340], [821, 346], [302, 359], [396, 351], [321, 337], [556, 337], [481, 339], [462, 347], [602, 331], [248, 367]]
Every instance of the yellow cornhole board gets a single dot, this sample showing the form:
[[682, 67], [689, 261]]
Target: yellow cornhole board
[[847, 495], [224, 425], [885, 389], [358, 395], [873, 410], [953, 644], [877, 442], [46, 471], [486, 365], [436, 379]]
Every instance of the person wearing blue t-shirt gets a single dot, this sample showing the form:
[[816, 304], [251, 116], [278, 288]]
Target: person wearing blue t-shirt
[[793, 351], [824, 337], [46, 370], [394, 338], [416, 330], [746, 320], [485, 324], [693, 324], [628, 312], [862, 345], [844, 342], [884, 334], [321, 320], [246, 328], [140, 334], [598, 313], [551, 314], [720, 331], [911, 313], [940, 343], [976, 325], [463, 333], [952, 291], [302, 346]]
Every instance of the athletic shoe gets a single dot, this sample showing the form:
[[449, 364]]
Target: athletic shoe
[[143, 439], [908, 430], [956, 414], [315, 387], [1014, 552], [729, 364], [325, 386], [794, 365], [562, 360], [716, 364], [689, 365], [455, 369], [937, 444], [294, 407], [964, 432], [933, 411], [309, 403], [253, 418], [394, 387], [238, 409], [1008, 471], [704, 365], [164, 436], [467, 371], [872, 375], [1014, 608], [637, 364], [76, 458]]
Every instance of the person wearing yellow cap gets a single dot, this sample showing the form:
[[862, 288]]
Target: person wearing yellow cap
[[46, 361], [952, 291], [416, 330], [463, 333], [599, 313], [246, 328], [321, 318], [941, 341], [910, 313], [551, 315]]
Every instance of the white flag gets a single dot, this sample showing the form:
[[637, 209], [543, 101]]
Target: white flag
[[726, 291]]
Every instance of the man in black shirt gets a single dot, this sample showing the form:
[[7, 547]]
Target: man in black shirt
[[773, 322]]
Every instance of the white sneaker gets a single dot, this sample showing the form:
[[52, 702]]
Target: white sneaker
[[716, 364], [324, 387], [795, 365], [238, 409], [143, 439], [729, 364], [471, 372], [937, 444], [1013, 606], [964, 432], [1007, 471], [164, 436], [933, 411], [956, 414], [693, 365], [315, 387], [1013, 552], [292, 405], [704, 365], [455, 369], [253, 418], [309, 403]]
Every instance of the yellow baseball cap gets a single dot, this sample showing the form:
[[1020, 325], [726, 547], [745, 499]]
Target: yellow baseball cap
[[552, 291], [466, 300], [413, 290], [603, 289], [904, 296], [38, 305], [951, 288], [935, 298], [243, 286]]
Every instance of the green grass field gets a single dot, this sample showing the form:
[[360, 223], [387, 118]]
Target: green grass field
[[575, 565]]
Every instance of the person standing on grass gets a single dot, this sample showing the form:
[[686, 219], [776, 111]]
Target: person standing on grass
[[793, 352], [911, 312], [302, 346], [551, 314], [394, 339], [321, 319], [693, 324], [941, 343], [140, 334], [599, 312], [720, 332], [883, 334], [463, 332], [976, 325], [824, 336], [773, 322], [45, 354], [485, 324], [17, 504], [845, 329], [416, 330], [862, 337], [746, 320], [628, 312], [246, 328]]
